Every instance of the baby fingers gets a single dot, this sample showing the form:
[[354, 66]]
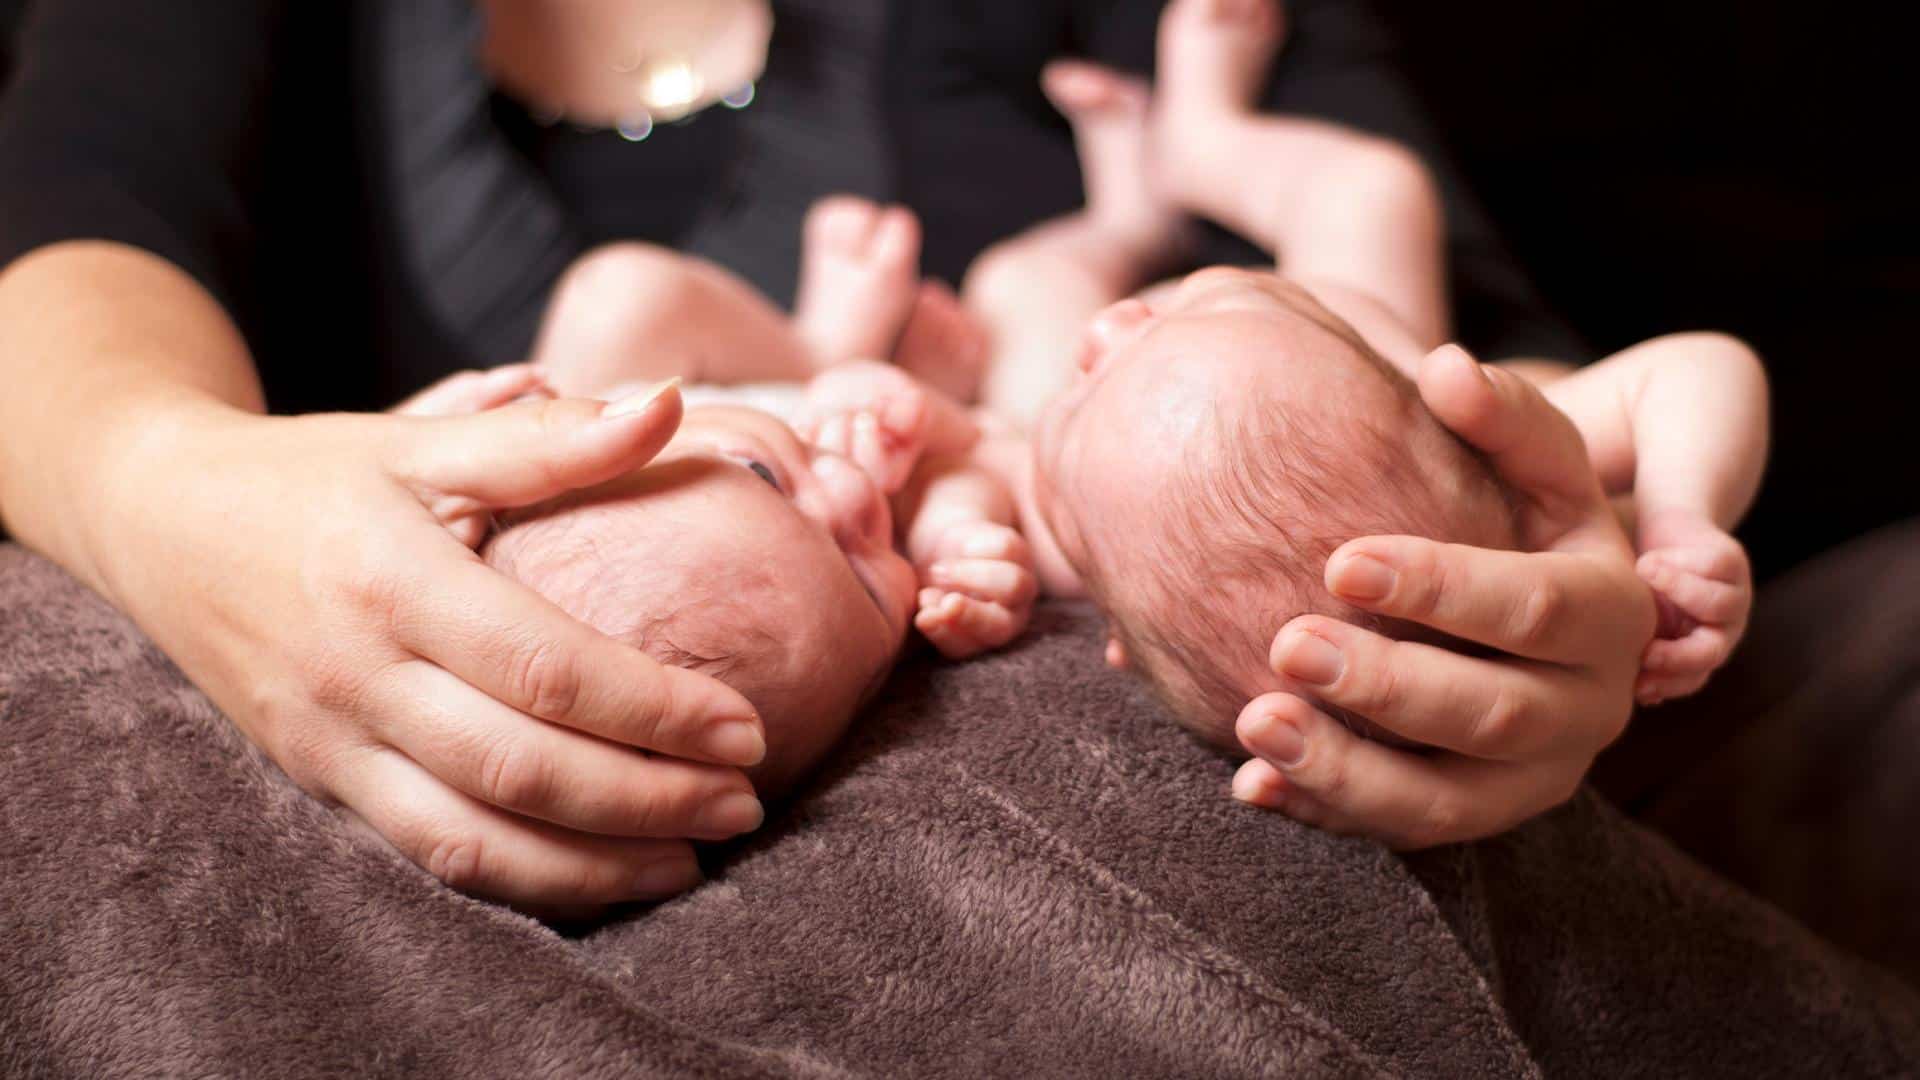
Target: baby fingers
[[993, 580], [985, 540], [1709, 598], [960, 626]]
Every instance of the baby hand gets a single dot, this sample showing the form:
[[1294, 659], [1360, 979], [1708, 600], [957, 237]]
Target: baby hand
[[980, 588], [883, 420], [1704, 586]]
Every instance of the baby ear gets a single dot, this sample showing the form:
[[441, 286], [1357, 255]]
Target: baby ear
[[1116, 654]]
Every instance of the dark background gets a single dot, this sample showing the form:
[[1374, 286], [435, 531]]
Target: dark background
[[1719, 164], [1744, 166]]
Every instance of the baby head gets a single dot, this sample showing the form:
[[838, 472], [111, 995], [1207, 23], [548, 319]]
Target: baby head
[[1215, 450], [741, 552]]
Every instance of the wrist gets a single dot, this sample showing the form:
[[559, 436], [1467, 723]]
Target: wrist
[[89, 474]]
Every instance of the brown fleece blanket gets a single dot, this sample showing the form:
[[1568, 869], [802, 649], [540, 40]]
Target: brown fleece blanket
[[1015, 868]]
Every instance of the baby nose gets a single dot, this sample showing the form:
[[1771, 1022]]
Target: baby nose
[[856, 510], [1112, 327]]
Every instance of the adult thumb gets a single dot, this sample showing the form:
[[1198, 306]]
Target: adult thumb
[[1531, 444], [538, 450]]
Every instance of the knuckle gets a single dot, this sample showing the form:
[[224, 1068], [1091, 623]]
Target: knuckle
[[1503, 725], [653, 812], [546, 681], [1441, 820], [309, 753], [515, 775], [336, 683], [1381, 692], [457, 857], [1537, 619], [655, 702], [1428, 575], [1328, 773]]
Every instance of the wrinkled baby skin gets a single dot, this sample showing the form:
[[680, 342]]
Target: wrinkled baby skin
[[1220, 440], [742, 552]]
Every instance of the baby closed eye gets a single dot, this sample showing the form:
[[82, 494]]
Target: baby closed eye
[[760, 470]]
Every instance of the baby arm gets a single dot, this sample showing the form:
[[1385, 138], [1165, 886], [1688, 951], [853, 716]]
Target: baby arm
[[976, 570], [631, 313], [1680, 422]]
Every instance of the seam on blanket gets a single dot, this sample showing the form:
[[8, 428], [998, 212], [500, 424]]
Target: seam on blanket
[[1195, 946], [1518, 1053]]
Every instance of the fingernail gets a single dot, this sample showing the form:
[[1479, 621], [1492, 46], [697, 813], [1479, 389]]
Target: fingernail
[[736, 742], [1252, 783], [668, 877], [1311, 659], [729, 815], [639, 401], [1245, 787], [1275, 739], [1362, 578]]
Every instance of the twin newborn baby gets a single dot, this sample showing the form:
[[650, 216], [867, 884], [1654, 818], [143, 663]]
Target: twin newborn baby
[[1187, 455]]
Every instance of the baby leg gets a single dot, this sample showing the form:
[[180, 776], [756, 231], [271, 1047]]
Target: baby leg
[[1332, 204], [859, 277], [1036, 291], [943, 344], [628, 313]]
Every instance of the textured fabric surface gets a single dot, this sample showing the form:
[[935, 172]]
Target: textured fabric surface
[[1015, 867], [1797, 772]]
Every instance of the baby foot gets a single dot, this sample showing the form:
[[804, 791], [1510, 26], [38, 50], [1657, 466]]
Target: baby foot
[[1704, 588], [980, 590], [943, 345], [1214, 56], [1109, 113], [859, 265]]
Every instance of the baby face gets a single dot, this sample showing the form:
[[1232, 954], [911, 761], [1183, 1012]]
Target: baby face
[[1117, 447], [743, 552]]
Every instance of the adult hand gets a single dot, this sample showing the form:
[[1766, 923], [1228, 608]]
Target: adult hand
[[1513, 734], [315, 576]]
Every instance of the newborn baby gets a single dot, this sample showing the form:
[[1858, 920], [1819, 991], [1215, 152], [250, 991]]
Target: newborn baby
[[1198, 450], [744, 554], [1259, 433], [741, 550]]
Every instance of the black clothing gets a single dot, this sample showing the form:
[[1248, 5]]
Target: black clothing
[[242, 139]]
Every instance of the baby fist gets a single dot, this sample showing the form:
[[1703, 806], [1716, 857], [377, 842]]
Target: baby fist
[[980, 588], [1704, 587], [874, 415]]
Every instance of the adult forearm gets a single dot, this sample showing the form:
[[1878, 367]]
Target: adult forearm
[[105, 351]]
